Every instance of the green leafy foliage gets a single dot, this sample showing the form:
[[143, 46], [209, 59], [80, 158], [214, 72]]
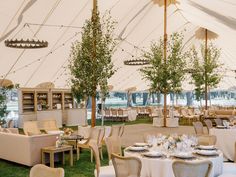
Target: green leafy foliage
[[3, 103], [90, 69], [205, 69], [166, 77]]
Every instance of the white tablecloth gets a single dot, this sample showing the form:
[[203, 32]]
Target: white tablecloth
[[158, 167], [226, 139]]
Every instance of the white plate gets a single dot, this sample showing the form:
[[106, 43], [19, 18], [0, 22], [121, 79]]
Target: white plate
[[221, 126], [183, 155], [153, 154], [207, 152], [206, 147], [140, 144], [135, 148]]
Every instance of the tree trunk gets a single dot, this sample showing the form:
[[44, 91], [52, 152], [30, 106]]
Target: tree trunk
[[165, 57], [93, 114], [206, 79]]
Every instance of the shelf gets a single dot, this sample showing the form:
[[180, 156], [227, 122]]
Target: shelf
[[34, 99], [28, 102]]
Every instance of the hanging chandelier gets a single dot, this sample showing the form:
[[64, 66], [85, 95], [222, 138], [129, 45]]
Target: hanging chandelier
[[136, 62], [25, 43]]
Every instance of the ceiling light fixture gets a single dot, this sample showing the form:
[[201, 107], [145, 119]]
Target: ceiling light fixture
[[25, 43]]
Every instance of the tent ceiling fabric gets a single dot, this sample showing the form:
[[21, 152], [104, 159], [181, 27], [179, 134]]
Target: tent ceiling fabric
[[139, 23]]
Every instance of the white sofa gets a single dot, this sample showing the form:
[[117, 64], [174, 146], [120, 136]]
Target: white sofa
[[24, 149]]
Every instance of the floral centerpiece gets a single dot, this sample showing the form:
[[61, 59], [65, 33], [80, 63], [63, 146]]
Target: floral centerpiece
[[174, 142], [68, 131]]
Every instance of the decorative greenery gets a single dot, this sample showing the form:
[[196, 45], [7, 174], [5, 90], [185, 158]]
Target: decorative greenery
[[200, 68], [3, 104], [89, 74], [166, 77]]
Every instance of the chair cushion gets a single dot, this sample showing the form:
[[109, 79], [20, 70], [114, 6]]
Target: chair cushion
[[82, 142], [55, 132], [106, 171]]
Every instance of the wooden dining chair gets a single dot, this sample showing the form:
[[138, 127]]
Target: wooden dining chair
[[117, 130], [218, 122], [113, 145], [96, 135], [208, 124], [192, 168], [198, 127], [126, 166], [101, 171]]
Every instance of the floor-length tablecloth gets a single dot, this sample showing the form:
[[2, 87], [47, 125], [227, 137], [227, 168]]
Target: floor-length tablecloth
[[158, 167], [226, 139]]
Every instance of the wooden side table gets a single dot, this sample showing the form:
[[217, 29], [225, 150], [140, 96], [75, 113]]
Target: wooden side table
[[51, 150], [73, 140]]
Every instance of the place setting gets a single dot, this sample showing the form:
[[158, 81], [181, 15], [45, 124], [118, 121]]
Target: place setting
[[138, 147], [206, 151]]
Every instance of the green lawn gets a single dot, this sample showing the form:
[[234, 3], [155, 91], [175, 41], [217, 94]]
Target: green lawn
[[81, 168]]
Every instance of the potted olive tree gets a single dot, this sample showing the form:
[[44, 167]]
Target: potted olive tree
[[166, 77], [205, 70], [90, 59]]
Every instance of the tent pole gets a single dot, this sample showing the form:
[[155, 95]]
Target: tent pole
[[94, 14], [206, 79], [165, 56]]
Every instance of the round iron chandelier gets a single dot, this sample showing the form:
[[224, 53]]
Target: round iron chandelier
[[25, 43]]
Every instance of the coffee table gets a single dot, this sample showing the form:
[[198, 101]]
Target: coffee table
[[51, 150]]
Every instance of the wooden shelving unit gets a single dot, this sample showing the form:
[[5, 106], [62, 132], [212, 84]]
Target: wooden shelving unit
[[42, 101], [28, 101], [32, 100], [68, 100], [31, 109], [57, 100]]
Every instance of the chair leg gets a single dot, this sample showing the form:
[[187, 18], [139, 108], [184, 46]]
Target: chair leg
[[101, 153], [78, 152], [91, 151]]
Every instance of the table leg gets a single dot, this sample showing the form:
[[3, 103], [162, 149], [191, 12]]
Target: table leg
[[43, 157], [63, 158], [51, 159], [78, 153], [71, 157]]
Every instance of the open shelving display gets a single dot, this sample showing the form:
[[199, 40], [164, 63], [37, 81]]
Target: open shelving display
[[68, 101], [28, 104], [42, 101], [56, 100]]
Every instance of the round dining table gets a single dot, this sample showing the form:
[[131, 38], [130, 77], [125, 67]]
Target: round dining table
[[226, 139], [162, 166]]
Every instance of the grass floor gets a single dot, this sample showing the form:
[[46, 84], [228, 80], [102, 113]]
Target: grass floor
[[81, 168]]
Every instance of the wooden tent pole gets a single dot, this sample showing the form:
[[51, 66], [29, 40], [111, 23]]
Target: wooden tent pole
[[206, 78], [94, 14], [165, 58]]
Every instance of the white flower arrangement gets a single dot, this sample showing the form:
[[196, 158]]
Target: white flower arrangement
[[174, 142]]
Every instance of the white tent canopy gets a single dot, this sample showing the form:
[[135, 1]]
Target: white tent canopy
[[139, 23]]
